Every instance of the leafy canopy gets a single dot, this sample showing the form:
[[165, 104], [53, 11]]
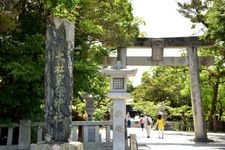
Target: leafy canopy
[[162, 88], [101, 27], [61, 8]]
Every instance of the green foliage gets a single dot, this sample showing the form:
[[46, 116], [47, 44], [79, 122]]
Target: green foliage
[[22, 67], [216, 20], [108, 22], [181, 112], [7, 22], [162, 85], [102, 112], [194, 10], [99, 114], [212, 82], [62, 8], [87, 78], [101, 27], [209, 13], [159, 87], [22, 71], [130, 87], [146, 107]]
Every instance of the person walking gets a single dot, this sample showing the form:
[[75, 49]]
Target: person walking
[[149, 124], [160, 124], [128, 120], [142, 122]]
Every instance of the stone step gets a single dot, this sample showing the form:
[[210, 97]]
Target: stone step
[[144, 147]]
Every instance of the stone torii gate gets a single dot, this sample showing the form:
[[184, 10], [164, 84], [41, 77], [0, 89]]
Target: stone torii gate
[[157, 59]]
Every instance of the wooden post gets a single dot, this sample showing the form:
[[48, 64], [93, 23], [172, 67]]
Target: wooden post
[[196, 97]]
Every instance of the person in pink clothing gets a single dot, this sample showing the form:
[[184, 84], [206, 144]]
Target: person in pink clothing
[[142, 122]]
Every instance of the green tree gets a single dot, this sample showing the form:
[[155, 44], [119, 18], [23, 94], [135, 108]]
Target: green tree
[[101, 28], [22, 65], [61, 8], [22, 44], [215, 19], [162, 85], [212, 82]]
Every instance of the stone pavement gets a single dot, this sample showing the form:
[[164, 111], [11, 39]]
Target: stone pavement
[[176, 140]]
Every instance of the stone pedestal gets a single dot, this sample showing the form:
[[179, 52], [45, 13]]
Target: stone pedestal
[[90, 108], [119, 119], [64, 146]]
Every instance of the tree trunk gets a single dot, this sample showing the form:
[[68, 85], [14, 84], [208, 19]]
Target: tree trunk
[[213, 105]]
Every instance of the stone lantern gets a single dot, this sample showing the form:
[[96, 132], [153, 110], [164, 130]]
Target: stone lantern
[[118, 93], [90, 108]]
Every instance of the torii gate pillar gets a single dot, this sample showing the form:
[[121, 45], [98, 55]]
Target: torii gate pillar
[[196, 96]]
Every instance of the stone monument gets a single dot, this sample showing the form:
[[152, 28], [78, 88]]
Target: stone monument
[[59, 79], [58, 86]]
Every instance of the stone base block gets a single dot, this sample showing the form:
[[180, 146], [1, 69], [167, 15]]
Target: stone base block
[[64, 146]]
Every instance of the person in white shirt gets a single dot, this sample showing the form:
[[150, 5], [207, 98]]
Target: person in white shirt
[[149, 124]]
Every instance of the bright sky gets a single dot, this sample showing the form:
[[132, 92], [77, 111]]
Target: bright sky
[[161, 20]]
